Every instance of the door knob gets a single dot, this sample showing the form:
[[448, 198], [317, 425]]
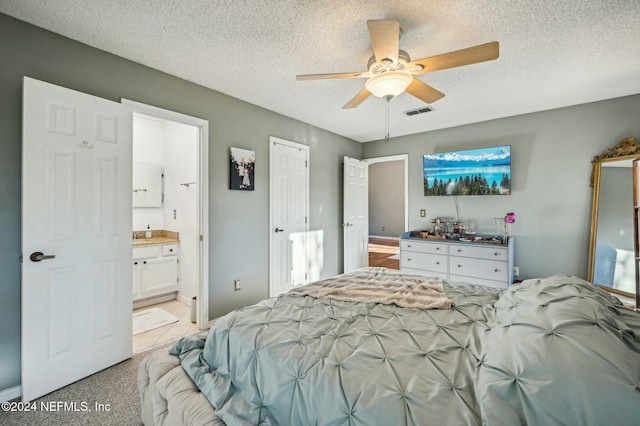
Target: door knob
[[279, 230], [38, 256]]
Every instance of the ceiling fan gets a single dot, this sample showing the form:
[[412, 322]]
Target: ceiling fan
[[391, 71]]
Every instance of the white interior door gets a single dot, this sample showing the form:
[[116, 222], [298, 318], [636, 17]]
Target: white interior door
[[356, 214], [76, 236], [289, 200]]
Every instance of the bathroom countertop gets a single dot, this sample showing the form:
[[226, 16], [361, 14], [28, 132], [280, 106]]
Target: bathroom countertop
[[158, 236], [154, 240]]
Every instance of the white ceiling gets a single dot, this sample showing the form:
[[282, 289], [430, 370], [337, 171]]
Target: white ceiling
[[553, 53]]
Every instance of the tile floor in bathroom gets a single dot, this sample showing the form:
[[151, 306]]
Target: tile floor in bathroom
[[161, 335]]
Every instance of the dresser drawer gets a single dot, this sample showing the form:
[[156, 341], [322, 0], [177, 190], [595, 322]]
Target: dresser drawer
[[484, 269], [459, 279], [424, 261], [479, 252], [423, 247], [426, 274]]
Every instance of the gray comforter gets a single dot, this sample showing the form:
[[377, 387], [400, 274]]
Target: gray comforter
[[551, 351]]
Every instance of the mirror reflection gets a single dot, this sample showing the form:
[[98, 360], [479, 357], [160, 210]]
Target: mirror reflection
[[147, 185]]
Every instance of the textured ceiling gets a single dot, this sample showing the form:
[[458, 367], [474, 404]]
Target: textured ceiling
[[552, 53]]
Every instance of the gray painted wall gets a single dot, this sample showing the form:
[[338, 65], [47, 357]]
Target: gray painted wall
[[386, 198], [551, 167], [239, 234]]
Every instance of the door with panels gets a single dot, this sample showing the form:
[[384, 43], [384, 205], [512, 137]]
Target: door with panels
[[355, 221], [76, 236], [289, 201]]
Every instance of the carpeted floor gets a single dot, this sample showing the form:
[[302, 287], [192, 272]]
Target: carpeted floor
[[115, 386]]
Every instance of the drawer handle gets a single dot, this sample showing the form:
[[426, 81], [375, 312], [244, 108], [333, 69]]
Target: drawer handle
[[145, 262], [135, 263], [496, 270], [170, 250], [437, 263], [409, 260], [496, 254], [437, 248], [459, 266], [459, 250]]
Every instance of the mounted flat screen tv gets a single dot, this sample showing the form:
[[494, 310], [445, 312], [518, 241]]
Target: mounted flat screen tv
[[484, 171]]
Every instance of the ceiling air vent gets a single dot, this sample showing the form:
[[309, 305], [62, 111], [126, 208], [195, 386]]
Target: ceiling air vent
[[419, 111]]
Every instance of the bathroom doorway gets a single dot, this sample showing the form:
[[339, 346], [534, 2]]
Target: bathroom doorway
[[388, 208], [170, 222]]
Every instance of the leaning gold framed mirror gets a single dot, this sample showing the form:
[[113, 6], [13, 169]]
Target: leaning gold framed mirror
[[613, 252]]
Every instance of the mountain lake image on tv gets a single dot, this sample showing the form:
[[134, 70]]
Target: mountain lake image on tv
[[484, 171]]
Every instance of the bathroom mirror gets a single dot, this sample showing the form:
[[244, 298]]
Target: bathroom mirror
[[614, 240], [147, 185]]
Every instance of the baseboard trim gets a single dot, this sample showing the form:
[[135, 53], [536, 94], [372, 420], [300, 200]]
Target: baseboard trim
[[383, 238], [11, 393], [143, 303], [183, 299]]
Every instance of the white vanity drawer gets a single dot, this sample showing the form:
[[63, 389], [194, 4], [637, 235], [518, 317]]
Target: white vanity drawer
[[170, 250], [484, 269], [425, 261], [146, 252], [480, 252], [423, 247]]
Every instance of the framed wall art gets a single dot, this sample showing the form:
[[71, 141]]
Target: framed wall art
[[242, 169]]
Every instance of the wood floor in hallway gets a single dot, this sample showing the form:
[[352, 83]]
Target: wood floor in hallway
[[380, 249]]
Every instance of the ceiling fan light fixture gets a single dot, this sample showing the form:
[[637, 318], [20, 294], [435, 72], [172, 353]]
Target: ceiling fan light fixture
[[389, 84]]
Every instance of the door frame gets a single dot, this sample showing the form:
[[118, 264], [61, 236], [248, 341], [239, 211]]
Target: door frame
[[202, 317], [405, 159], [273, 140]]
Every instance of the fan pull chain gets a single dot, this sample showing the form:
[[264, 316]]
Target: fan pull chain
[[386, 119]]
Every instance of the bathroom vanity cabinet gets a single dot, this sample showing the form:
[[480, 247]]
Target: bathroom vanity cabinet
[[155, 270]]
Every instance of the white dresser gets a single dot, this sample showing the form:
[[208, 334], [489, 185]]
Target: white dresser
[[477, 263]]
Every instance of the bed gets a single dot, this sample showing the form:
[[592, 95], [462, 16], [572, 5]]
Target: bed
[[557, 350]]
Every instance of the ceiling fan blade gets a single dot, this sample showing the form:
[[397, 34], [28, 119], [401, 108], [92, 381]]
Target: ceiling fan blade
[[424, 92], [357, 99], [471, 55], [385, 39], [335, 75]]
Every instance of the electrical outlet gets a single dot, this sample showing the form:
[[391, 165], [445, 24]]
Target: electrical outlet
[[516, 271], [236, 285], [423, 213]]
